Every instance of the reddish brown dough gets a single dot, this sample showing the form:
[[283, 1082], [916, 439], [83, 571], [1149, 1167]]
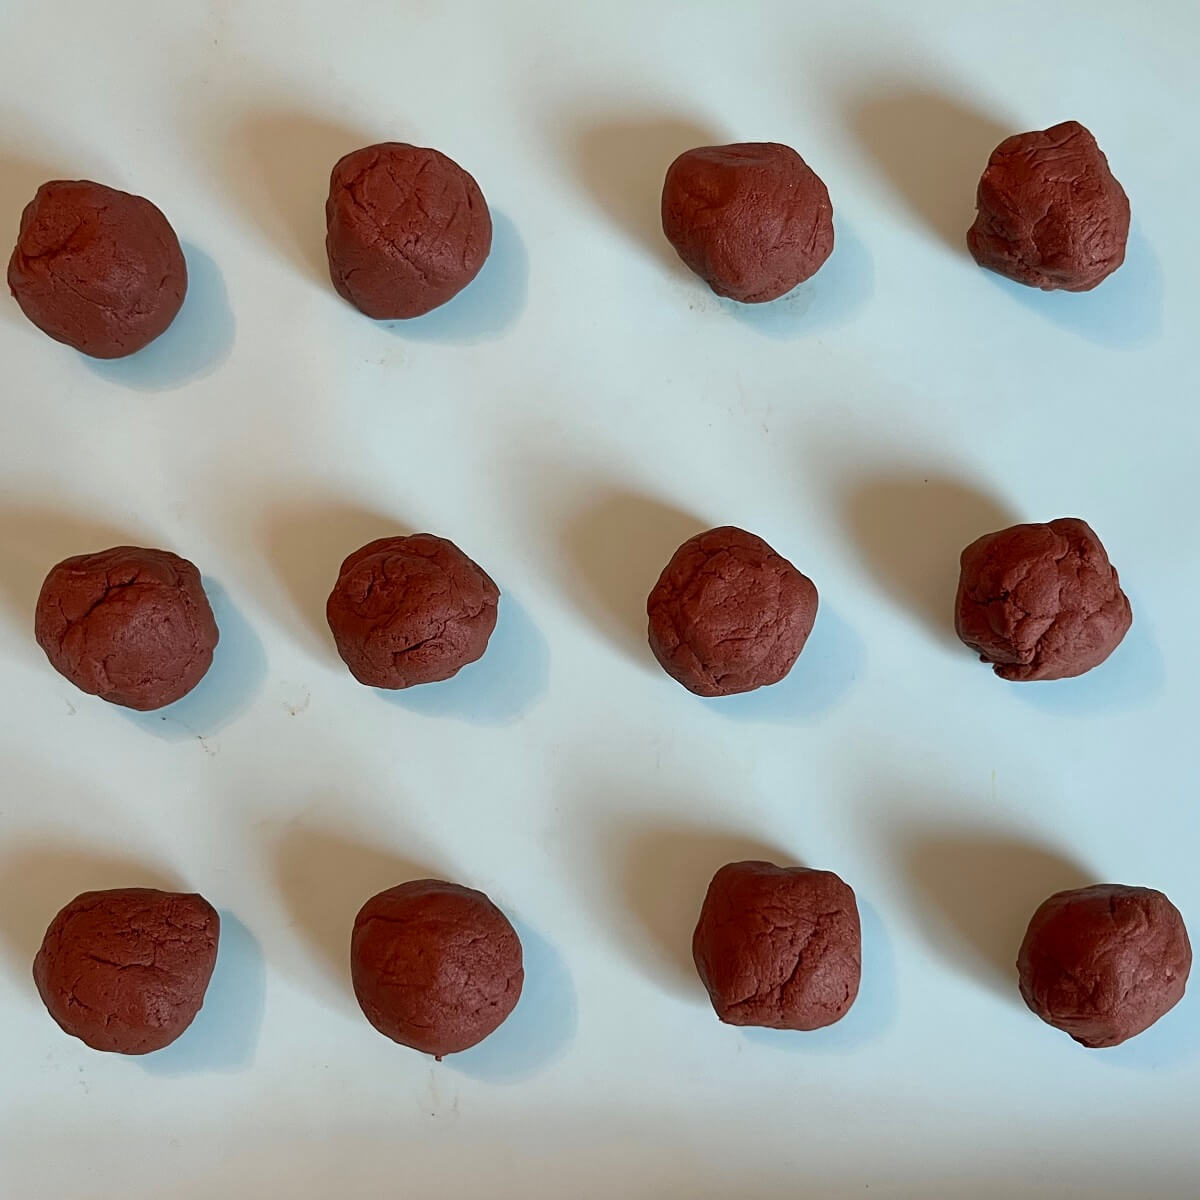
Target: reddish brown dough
[[1103, 963], [130, 625], [753, 219], [729, 614], [779, 947], [407, 229], [126, 970], [1050, 213], [96, 268], [411, 610], [1041, 601], [435, 966]]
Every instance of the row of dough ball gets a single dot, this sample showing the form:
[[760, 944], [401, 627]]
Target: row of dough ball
[[408, 229]]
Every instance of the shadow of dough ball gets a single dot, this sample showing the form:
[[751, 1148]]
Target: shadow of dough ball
[[729, 614], [779, 947], [130, 625], [1103, 963], [1050, 212], [97, 269], [126, 970], [407, 229], [435, 966]]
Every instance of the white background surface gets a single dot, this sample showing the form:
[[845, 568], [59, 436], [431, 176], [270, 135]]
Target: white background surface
[[568, 421]]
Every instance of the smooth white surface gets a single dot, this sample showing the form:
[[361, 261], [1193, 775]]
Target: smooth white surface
[[568, 420]]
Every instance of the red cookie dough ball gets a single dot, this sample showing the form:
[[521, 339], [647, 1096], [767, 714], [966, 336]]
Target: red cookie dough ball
[[96, 268], [408, 229], [778, 946], [1103, 963], [1050, 213], [126, 970], [1041, 601], [729, 614], [129, 625], [752, 219], [435, 966]]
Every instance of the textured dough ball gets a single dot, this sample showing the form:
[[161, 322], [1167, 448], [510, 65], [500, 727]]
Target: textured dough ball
[[753, 219], [407, 229], [1041, 601], [126, 970], [729, 614], [96, 268], [129, 625], [409, 610], [1050, 213], [1103, 963], [778, 946], [436, 966]]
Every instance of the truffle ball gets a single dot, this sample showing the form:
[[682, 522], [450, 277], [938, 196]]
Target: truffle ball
[[1050, 213], [129, 625], [778, 946], [436, 966], [96, 268], [1041, 601], [126, 970], [752, 219], [729, 614], [1103, 963], [409, 610], [408, 229]]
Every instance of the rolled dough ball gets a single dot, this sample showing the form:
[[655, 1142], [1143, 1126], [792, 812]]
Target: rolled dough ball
[[96, 268], [1050, 213], [1041, 601], [435, 966], [409, 610], [129, 625], [1103, 963], [126, 970], [779, 947], [729, 614], [753, 220], [408, 229]]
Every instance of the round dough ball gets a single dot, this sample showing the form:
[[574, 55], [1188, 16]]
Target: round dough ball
[[1041, 601], [779, 947], [96, 268], [129, 625], [729, 614], [1050, 213], [410, 610], [408, 229], [753, 219], [1103, 963], [126, 970], [436, 966]]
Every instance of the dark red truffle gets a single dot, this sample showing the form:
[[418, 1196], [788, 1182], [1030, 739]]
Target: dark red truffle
[[1103, 963], [1050, 213], [753, 220], [778, 946], [1041, 601], [729, 614], [436, 966], [96, 268], [408, 229], [410, 610], [126, 970], [130, 625]]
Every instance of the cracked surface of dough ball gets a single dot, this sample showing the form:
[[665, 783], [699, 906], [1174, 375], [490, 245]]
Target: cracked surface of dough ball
[[407, 230], [130, 625], [779, 947], [1103, 963], [98, 269]]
